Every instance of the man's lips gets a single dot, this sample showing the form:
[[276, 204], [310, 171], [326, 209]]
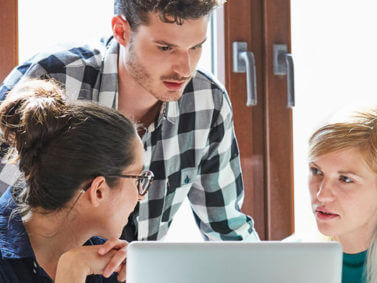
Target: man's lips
[[172, 85]]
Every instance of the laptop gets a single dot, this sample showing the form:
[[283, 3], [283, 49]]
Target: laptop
[[234, 262]]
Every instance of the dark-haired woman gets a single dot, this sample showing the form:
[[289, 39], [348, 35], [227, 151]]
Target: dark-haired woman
[[82, 165]]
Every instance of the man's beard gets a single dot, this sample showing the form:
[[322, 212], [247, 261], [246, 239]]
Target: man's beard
[[144, 79]]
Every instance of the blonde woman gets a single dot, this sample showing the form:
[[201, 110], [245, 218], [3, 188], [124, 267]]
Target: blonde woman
[[343, 189]]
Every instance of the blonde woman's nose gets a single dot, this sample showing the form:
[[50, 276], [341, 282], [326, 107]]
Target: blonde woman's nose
[[325, 192]]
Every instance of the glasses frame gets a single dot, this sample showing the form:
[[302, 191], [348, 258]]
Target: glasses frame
[[146, 174]]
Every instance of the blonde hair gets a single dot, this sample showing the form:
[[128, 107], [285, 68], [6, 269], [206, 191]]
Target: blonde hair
[[358, 130]]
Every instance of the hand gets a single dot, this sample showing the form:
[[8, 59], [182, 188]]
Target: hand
[[118, 259], [76, 264]]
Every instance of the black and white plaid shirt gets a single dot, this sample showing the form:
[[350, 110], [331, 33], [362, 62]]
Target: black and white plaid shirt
[[191, 148]]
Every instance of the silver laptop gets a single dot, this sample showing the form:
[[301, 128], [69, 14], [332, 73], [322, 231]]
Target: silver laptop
[[234, 262]]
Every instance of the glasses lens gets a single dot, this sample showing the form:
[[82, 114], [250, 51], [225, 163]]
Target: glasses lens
[[145, 181]]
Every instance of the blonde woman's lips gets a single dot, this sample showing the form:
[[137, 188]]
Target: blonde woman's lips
[[325, 214]]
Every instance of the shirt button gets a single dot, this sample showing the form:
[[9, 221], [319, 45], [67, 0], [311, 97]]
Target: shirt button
[[35, 267]]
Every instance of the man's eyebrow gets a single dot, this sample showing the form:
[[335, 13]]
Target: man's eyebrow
[[162, 42], [200, 43]]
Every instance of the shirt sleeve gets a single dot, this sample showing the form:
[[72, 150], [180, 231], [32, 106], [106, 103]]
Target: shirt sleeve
[[13, 78], [216, 196], [42, 65]]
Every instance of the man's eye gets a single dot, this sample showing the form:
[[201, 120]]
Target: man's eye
[[164, 48], [345, 179], [197, 47]]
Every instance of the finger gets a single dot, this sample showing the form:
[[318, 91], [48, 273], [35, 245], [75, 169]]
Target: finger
[[117, 270], [122, 273], [117, 260], [110, 244]]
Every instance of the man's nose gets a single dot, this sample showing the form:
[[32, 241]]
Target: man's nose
[[182, 66]]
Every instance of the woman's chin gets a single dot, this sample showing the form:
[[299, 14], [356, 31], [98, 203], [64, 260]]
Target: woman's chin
[[326, 230]]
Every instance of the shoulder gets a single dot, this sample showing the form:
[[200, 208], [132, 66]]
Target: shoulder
[[58, 58], [206, 92], [204, 80], [58, 61]]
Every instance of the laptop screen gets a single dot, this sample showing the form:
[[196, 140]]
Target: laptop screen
[[234, 262]]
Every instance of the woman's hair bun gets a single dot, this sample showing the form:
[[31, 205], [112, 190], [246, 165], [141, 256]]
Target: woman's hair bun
[[33, 112]]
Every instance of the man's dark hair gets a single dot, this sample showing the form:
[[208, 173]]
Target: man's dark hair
[[170, 11]]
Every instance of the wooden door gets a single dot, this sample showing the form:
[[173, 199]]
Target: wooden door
[[8, 37], [264, 131]]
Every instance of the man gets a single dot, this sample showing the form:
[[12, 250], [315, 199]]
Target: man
[[147, 71]]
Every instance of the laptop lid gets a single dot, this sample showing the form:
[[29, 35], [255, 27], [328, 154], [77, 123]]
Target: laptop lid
[[234, 262]]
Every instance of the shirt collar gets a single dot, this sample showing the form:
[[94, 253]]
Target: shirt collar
[[14, 241], [108, 90], [172, 111]]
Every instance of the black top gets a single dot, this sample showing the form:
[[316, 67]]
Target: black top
[[17, 260]]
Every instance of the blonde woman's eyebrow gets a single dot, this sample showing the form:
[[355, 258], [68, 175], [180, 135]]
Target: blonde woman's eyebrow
[[312, 163]]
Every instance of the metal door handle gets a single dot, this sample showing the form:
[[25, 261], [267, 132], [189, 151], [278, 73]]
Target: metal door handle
[[244, 61], [283, 65]]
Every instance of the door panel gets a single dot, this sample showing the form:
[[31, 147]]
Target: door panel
[[9, 37], [263, 131]]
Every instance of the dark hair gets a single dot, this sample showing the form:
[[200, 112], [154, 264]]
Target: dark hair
[[170, 11], [62, 146]]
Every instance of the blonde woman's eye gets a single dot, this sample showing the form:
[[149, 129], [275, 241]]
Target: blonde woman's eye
[[315, 171], [345, 179]]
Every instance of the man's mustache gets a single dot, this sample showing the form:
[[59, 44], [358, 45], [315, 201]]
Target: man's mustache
[[174, 77]]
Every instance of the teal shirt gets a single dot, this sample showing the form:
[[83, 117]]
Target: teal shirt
[[353, 267]]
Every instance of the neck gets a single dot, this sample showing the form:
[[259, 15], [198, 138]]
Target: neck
[[353, 244], [135, 102], [53, 234]]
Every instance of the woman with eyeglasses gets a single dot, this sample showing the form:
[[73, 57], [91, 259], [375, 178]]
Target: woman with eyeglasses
[[82, 165], [343, 189]]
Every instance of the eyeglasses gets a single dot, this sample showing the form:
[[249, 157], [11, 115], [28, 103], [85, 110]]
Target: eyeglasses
[[144, 180]]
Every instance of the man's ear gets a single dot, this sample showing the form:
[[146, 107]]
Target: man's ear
[[98, 191], [121, 30]]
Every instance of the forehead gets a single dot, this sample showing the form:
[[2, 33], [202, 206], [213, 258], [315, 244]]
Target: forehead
[[348, 159], [191, 31]]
